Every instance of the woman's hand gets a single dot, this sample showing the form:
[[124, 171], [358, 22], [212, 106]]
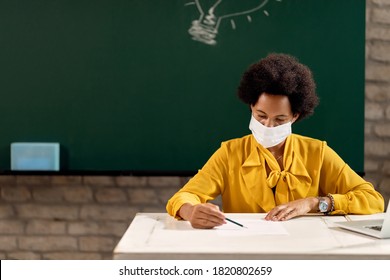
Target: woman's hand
[[292, 209], [204, 215]]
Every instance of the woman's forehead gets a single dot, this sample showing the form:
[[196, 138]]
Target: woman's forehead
[[270, 103]]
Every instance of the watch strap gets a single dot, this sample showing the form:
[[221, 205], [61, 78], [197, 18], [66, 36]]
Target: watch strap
[[331, 203]]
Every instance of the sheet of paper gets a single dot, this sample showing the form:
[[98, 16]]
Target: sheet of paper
[[252, 227]]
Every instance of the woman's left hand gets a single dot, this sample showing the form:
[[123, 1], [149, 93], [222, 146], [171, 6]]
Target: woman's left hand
[[292, 209]]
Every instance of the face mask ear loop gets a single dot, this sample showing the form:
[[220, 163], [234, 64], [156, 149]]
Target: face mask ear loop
[[295, 118]]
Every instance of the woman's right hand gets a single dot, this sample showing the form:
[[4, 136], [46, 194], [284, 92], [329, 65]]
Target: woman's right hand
[[203, 216]]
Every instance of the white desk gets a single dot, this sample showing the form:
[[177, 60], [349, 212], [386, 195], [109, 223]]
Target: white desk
[[159, 236]]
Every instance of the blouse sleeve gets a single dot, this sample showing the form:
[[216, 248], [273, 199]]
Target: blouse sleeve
[[351, 193], [206, 185]]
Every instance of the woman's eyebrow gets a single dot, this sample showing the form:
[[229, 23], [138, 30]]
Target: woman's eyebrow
[[281, 115], [260, 111]]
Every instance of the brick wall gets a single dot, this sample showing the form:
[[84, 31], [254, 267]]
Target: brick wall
[[74, 217], [83, 217], [377, 111]]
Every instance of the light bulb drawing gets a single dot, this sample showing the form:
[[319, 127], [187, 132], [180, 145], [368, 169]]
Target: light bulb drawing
[[212, 12]]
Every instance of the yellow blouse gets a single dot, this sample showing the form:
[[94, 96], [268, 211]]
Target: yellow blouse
[[237, 172]]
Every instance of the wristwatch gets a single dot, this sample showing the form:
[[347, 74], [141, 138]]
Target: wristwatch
[[322, 205]]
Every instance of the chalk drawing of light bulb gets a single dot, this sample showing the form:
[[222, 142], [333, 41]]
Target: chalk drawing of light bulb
[[212, 12]]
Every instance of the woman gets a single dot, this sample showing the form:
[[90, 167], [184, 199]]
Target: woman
[[273, 170]]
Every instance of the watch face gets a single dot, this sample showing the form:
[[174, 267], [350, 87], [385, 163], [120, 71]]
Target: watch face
[[323, 206]]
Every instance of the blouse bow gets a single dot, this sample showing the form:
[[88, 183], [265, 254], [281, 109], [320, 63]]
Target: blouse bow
[[293, 182]]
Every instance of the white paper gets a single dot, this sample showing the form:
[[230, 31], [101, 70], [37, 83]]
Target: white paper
[[252, 227]]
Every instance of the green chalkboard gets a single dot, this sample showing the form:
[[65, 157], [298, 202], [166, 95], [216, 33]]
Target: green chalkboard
[[138, 85]]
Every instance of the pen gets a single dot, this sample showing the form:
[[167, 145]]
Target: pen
[[234, 222]]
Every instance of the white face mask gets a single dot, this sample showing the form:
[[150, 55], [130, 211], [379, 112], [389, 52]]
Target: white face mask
[[269, 136]]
